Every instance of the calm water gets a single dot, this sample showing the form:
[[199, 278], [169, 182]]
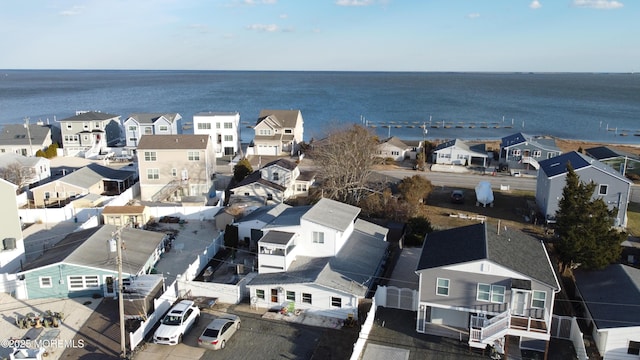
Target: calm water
[[470, 105]]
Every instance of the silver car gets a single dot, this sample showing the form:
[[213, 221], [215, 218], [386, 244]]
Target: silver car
[[219, 331]]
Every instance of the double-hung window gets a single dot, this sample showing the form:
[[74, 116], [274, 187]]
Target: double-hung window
[[153, 174], [442, 287], [194, 155], [497, 294], [484, 292], [318, 237], [260, 294], [150, 156], [539, 299], [45, 282], [336, 302], [291, 295], [306, 298]]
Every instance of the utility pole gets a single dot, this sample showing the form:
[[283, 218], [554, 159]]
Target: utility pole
[[26, 125], [123, 341]]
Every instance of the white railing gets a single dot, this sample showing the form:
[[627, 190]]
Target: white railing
[[529, 160], [492, 329]]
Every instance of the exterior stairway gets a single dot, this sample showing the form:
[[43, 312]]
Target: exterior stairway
[[531, 161], [484, 332], [167, 190]]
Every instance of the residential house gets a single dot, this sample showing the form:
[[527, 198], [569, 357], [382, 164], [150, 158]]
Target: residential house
[[89, 132], [222, 127], [324, 260], [91, 179], [84, 263], [175, 167], [482, 283], [609, 301], [23, 140], [12, 255], [393, 148], [275, 182], [278, 132], [135, 216], [24, 171], [520, 150], [139, 124], [623, 161], [250, 225], [460, 152], [613, 188]]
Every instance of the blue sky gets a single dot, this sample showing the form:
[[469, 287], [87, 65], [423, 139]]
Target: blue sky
[[367, 35]]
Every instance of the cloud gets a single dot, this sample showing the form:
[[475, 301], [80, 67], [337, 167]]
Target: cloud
[[535, 4], [73, 11], [354, 2], [598, 4], [283, 16], [263, 27], [473, 16]]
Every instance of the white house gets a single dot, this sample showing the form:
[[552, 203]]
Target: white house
[[459, 152], [610, 299], [320, 259], [278, 132], [12, 244], [25, 170], [139, 124], [394, 148], [223, 129]]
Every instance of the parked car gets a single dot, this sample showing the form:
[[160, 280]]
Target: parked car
[[219, 331], [457, 196], [180, 319]]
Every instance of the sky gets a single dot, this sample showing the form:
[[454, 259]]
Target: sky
[[341, 35]]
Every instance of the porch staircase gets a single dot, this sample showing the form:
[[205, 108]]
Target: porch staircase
[[531, 161], [167, 190], [484, 332]]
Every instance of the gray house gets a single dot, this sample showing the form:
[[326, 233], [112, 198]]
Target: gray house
[[82, 264], [610, 299], [481, 283], [623, 161], [521, 150], [613, 188]]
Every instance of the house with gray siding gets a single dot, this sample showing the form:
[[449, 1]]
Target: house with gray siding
[[89, 132], [482, 282], [84, 263], [609, 304], [523, 151], [613, 188], [320, 259], [25, 139], [139, 124]]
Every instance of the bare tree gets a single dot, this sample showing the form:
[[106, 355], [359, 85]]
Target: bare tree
[[16, 174], [345, 161]]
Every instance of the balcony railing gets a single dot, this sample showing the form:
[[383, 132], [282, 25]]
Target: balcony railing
[[485, 331]]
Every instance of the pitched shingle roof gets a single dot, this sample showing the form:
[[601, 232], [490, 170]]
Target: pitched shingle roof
[[558, 165], [332, 214], [173, 142], [511, 248], [91, 116], [478, 149], [539, 142], [283, 163], [150, 118], [604, 153], [280, 118], [16, 134], [93, 173], [612, 295], [90, 248]]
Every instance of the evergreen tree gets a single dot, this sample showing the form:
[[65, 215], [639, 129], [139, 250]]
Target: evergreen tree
[[584, 227], [242, 169]]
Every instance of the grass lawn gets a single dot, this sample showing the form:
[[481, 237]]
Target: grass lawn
[[633, 223]]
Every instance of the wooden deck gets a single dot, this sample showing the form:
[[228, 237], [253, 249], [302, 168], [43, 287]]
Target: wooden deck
[[521, 324]]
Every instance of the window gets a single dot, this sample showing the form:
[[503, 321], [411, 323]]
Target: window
[[264, 132], [306, 298], [515, 152], [150, 156], [228, 125], [85, 126], [274, 295], [228, 138], [336, 302], [153, 174], [260, 294], [96, 124], [442, 287], [634, 348], [602, 189], [484, 292], [133, 140], [69, 126], [45, 282], [133, 128], [276, 176], [396, 153], [83, 282], [497, 294], [291, 295], [288, 131], [539, 299], [47, 195], [269, 197], [537, 153], [318, 237], [148, 130], [164, 128], [174, 172], [217, 125], [301, 187], [204, 126], [194, 156]]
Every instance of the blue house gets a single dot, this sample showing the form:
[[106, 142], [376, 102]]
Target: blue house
[[84, 263], [613, 188], [521, 150]]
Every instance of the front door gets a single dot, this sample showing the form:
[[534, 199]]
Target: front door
[[109, 286], [519, 302]]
